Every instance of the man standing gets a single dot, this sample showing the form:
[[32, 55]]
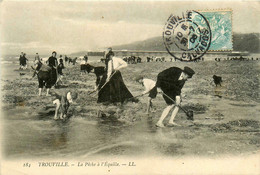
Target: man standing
[[170, 83]]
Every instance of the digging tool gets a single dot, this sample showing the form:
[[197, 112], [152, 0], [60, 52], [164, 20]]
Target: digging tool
[[126, 100], [58, 76], [92, 92], [189, 113]]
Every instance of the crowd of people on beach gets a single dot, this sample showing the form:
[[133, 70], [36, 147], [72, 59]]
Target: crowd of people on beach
[[110, 88], [241, 58]]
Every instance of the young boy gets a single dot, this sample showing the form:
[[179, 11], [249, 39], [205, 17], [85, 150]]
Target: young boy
[[149, 88], [62, 104]]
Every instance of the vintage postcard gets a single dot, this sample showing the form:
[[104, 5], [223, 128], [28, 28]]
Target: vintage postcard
[[130, 87]]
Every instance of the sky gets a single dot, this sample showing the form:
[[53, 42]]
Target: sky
[[68, 27]]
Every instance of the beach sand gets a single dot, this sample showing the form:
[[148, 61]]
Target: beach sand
[[226, 118]]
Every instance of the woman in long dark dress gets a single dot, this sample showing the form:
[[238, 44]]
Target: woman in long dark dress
[[53, 63], [24, 61], [112, 87]]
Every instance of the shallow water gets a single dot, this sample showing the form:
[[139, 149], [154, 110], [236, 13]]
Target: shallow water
[[33, 136], [36, 135]]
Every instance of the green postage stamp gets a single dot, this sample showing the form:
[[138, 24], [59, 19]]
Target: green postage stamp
[[220, 22]]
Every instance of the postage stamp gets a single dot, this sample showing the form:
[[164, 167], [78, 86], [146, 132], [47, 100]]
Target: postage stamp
[[220, 22]]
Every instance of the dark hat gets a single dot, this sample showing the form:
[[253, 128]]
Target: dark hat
[[188, 71]]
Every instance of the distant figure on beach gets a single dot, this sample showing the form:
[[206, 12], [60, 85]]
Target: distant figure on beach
[[60, 67], [149, 59], [148, 85], [66, 60], [86, 58], [37, 57], [138, 60], [112, 87], [217, 80], [59, 70], [23, 62], [83, 64], [73, 61], [62, 103], [170, 82], [53, 63]]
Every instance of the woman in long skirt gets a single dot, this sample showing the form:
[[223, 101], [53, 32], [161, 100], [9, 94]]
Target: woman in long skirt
[[53, 63], [112, 87]]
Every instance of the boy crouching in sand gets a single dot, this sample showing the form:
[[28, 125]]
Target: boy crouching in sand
[[149, 88], [62, 104]]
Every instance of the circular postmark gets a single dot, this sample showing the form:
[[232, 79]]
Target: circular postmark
[[187, 37]]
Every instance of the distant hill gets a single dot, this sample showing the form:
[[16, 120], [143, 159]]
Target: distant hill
[[246, 42], [241, 42], [151, 44]]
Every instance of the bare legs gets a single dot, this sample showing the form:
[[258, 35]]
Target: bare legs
[[165, 113], [47, 92], [149, 105], [40, 92], [174, 113], [57, 102]]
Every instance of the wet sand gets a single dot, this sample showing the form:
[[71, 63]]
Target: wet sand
[[226, 118]]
